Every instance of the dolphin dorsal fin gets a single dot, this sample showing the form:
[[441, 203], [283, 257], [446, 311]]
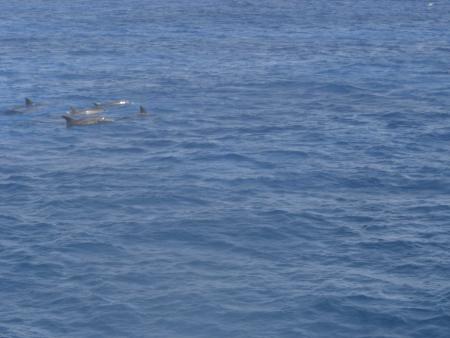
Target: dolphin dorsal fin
[[28, 102], [73, 110], [142, 110], [97, 104], [68, 120]]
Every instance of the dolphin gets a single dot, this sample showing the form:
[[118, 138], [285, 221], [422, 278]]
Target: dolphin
[[112, 103], [87, 111], [142, 111], [27, 107], [70, 121]]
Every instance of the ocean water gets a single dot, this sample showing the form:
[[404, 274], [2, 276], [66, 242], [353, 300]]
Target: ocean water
[[291, 180]]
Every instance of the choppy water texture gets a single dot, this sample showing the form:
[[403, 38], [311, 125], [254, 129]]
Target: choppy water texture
[[292, 179]]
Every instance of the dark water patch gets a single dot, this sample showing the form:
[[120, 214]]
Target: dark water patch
[[119, 150], [429, 209], [392, 246], [9, 219], [336, 88], [199, 145], [15, 188], [164, 159], [233, 158], [349, 121], [87, 249], [284, 155], [436, 136]]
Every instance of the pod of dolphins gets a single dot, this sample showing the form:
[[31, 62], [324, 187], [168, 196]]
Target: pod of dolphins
[[86, 116]]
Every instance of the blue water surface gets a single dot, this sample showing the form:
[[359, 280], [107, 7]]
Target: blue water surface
[[291, 180]]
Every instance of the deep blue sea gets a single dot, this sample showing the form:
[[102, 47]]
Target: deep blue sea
[[291, 180]]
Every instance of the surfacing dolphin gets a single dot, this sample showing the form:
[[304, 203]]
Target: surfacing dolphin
[[28, 102], [27, 107], [70, 121], [112, 103], [86, 111], [142, 111]]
